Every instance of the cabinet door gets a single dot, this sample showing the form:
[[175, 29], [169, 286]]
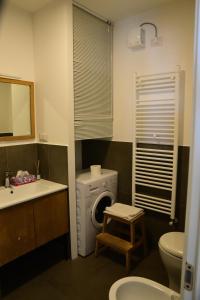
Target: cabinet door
[[51, 217], [17, 235]]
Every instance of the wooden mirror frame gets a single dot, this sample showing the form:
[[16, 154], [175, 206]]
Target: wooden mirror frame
[[32, 110]]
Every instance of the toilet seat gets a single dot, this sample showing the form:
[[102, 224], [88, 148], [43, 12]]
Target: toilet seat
[[173, 243]]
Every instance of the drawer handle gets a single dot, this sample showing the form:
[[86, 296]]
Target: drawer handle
[[19, 238]]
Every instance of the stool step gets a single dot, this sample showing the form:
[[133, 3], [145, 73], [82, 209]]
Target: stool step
[[115, 242]]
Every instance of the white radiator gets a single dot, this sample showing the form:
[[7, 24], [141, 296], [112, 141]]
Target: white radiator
[[155, 146]]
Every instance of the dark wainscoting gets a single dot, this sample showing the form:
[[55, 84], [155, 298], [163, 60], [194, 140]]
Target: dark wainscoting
[[54, 164], [19, 157], [118, 156], [111, 155], [182, 185], [53, 161]]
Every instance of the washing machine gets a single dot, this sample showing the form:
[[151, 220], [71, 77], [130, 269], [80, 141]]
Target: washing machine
[[93, 196]]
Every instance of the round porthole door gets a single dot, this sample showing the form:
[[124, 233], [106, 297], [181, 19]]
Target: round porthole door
[[104, 200]]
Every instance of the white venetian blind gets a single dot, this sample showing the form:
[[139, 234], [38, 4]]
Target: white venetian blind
[[92, 76]]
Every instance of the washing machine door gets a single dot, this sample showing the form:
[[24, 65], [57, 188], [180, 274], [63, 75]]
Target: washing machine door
[[103, 200]]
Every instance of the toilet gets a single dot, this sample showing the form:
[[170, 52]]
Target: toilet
[[171, 246]]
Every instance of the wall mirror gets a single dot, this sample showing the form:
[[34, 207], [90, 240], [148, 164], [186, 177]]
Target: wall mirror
[[16, 109]]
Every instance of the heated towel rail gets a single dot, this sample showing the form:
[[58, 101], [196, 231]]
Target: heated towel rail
[[155, 146]]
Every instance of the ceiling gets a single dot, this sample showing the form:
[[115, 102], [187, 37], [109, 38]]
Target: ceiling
[[30, 5], [118, 9], [110, 9]]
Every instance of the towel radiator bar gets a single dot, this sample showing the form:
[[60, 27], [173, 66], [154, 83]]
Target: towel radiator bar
[[155, 146]]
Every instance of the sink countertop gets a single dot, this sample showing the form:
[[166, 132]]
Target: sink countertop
[[28, 192]]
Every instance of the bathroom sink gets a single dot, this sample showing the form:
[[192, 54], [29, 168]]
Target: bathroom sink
[[26, 192], [138, 288]]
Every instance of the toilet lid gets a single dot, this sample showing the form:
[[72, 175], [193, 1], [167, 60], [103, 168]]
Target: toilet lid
[[173, 243]]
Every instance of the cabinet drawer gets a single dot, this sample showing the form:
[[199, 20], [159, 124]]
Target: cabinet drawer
[[51, 217], [16, 232]]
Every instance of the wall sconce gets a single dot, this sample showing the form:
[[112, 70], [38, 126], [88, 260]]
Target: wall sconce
[[136, 37]]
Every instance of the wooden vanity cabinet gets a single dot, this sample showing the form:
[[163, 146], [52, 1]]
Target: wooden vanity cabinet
[[17, 233], [51, 219], [26, 226]]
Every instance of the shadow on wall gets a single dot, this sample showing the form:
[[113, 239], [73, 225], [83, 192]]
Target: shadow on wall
[[118, 156]]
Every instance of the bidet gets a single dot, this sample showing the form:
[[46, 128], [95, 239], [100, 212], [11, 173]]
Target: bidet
[[138, 288]]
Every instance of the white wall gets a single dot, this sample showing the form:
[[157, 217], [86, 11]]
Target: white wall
[[16, 40], [51, 25], [44, 42], [53, 28], [175, 22], [16, 47]]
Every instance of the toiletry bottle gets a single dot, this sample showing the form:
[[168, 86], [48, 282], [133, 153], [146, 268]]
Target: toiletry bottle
[[7, 180], [38, 170]]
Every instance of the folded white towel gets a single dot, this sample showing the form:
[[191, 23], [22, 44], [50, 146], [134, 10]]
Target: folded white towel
[[124, 211]]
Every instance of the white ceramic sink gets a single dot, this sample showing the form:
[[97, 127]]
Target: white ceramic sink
[[138, 288], [26, 192]]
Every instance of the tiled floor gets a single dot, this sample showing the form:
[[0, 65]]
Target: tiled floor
[[82, 279]]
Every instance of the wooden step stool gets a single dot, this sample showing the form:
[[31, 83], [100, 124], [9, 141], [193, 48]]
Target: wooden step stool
[[119, 244]]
